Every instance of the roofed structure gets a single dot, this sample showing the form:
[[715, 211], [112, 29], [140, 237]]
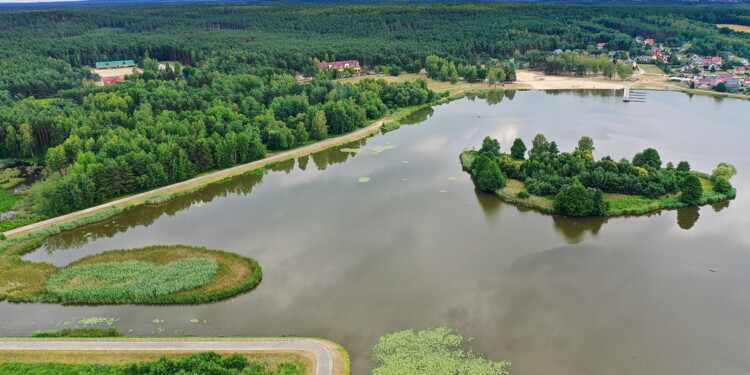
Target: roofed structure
[[340, 65], [115, 64]]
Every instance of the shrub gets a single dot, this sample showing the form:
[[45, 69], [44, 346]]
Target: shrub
[[523, 194], [723, 186], [80, 332]]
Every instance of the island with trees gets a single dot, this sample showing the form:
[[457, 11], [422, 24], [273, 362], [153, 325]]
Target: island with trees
[[575, 184]]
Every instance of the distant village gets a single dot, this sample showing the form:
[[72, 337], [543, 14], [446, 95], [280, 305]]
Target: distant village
[[727, 73]]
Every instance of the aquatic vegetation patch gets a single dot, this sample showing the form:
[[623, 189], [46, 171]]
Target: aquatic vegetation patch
[[94, 320], [151, 275], [130, 280], [364, 179], [378, 149]]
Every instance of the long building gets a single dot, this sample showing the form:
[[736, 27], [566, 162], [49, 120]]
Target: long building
[[114, 64]]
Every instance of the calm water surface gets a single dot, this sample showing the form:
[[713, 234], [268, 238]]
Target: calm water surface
[[418, 245]]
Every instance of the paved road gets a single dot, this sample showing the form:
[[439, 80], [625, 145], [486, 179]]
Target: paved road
[[322, 352], [224, 173]]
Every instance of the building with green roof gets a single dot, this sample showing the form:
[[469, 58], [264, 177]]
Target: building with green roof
[[114, 64]]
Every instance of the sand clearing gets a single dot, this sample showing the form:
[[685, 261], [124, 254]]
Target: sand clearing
[[541, 81]]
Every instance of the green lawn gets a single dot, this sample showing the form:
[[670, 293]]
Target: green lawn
[[651, 68]]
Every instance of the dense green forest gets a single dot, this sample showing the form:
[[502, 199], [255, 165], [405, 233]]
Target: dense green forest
[[229, 94]]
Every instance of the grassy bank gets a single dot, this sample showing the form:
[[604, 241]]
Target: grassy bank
[[619, 204], [55, 362], [151, 275]]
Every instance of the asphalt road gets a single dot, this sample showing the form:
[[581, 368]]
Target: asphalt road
[[323, 355]]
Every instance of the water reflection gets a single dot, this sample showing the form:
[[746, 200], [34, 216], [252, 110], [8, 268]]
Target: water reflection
[[148, 214], [419, 116], [687, 216]]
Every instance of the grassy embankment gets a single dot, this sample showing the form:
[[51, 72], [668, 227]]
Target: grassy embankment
[[151, 275], [619, 204], [271, 360], [113, 362]]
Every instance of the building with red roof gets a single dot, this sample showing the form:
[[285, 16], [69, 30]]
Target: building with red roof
[[648, 41], [108, 80]]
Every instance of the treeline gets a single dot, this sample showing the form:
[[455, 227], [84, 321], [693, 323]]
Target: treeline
[[100, 143], [576, 63], [276, 40]]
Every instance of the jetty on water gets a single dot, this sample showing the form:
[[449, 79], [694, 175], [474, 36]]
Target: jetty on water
[[633, 96]]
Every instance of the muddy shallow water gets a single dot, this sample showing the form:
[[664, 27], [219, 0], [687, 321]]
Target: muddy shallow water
[[417, 245]]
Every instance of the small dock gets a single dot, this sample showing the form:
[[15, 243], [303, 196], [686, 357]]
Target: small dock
[[633, 96]]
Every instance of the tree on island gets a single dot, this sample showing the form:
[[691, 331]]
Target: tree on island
[[518, 150], [586, 144], [683, 166], [648, 158], [434, 351], [553, 148], [539, 146], [725, 170], [491, 178], [692, 190], [577, 200], [490, 145]]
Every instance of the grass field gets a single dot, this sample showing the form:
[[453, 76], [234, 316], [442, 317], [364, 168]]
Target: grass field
[[735, 27], [24, 281], [651, 68]]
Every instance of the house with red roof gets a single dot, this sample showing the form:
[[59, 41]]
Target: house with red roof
[[600, 45], [649, 41], [108, 80], [341, 65]]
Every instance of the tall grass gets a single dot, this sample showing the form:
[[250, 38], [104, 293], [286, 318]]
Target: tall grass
[[80, 332], [130, 281]]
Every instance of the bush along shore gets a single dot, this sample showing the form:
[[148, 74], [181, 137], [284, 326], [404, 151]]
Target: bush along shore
[[574, 184], [150, 275]]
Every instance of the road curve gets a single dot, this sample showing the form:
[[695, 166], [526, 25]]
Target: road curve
[[215, 176], [321, 351]]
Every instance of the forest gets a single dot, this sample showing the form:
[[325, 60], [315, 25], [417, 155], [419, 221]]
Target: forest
[[576, 184], [229, 93]]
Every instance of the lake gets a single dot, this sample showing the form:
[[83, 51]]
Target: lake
[[418, 245]]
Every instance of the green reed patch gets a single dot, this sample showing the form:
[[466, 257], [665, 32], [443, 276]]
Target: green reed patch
[[130, 280]]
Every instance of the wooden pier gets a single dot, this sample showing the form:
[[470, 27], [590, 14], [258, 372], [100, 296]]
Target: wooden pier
[[633, 96]]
